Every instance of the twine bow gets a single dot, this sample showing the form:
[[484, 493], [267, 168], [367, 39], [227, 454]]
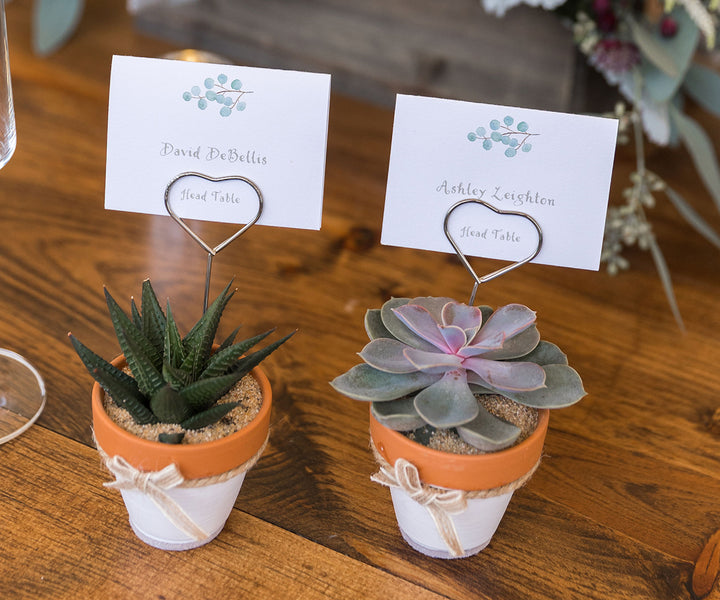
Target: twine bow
[[441, 503], [154, 484], [438, 502]]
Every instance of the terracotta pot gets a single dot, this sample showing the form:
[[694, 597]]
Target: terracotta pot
[[208, 506], [476, 525]]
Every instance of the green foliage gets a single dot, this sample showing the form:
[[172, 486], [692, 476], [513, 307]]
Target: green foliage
[[174, 379]]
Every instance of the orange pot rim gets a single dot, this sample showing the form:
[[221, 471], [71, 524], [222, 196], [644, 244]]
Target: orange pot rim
[[463, 471], [195, 461]]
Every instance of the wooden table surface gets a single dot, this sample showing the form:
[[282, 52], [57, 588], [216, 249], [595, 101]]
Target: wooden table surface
[[621, 507]]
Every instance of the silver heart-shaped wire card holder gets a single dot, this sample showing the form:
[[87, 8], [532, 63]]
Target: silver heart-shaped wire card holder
[[503, 270], [212, 251]]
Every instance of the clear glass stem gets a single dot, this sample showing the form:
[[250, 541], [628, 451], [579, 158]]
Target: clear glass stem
[[8, 137]]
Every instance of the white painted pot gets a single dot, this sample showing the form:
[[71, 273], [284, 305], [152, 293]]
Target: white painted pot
[[443, 481], [209, 508], [475, 526], [151, 474]]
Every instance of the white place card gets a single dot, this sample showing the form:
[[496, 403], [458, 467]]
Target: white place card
[[168, 117], [555, 167]]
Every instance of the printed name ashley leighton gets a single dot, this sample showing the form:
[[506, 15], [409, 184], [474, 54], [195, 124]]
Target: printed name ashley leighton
[[494, 193]]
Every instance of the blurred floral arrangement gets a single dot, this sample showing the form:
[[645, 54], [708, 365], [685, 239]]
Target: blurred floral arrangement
[[646, 48]]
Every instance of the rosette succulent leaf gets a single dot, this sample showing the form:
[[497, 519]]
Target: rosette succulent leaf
[[174, 379], [430, 358]]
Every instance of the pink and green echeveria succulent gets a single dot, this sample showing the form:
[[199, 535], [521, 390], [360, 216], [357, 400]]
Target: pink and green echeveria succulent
[[429, 358]]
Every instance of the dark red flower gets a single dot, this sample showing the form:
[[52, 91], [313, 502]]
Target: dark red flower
[[668, 27], [606, 22]]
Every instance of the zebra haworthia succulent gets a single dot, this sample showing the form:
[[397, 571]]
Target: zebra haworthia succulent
[[429, 358], [174, 379]]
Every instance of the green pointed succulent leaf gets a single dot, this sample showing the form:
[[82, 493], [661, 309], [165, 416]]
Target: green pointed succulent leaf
[[209, 416], [173, 347], [198, 343], [149, 379], [153, 319], [447, 403], [225, 359], [362, 382], [117, 315], [125, 329], [228, 341], [122, 388], [216, 308], [92, 362], [176, 377], [140, 413], [488, 433], [399, 414], [168, 406], [248, 363], [171, 438], [165, 367], [203, 393], [126, 397], [135, 314], [121, 391]]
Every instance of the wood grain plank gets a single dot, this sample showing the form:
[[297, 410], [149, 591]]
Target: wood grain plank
[[644, 497], [543, 549], [65, 536]]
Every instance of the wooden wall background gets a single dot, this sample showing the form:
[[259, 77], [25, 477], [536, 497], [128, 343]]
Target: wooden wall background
[[377, 48]]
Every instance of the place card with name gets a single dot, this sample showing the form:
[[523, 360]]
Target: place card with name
[[168, 117], [554, 167]]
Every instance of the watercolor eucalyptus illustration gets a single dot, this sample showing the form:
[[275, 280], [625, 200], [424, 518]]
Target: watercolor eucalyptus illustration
[[228, 94], [515, 137]]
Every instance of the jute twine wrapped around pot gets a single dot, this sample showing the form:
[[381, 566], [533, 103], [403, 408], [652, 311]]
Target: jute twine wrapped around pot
[[441, 503], [155, 485]]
